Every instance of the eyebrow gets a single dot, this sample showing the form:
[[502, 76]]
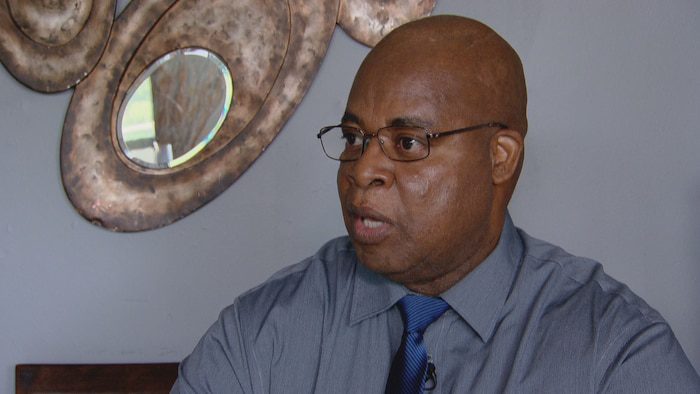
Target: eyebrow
[[409, 121], [349, 117], [402, 121]]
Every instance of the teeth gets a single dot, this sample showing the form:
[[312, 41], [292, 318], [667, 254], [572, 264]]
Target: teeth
[[371, 223]]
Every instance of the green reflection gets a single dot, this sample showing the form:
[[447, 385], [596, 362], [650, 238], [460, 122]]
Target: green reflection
[[138, 127]]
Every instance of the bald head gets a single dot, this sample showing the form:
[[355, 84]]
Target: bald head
[[468, 73], [464, 53]]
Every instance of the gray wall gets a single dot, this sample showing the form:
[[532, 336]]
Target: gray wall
[[612, 172]]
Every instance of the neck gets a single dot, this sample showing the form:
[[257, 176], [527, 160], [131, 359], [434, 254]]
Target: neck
[[435, 286]]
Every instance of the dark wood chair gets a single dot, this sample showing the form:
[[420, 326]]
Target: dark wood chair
[[95, 378]]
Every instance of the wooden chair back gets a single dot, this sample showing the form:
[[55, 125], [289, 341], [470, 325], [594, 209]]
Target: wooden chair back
[[95, 378]]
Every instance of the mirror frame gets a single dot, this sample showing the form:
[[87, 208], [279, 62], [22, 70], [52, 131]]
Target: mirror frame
[[109, 192], [367, 21], [51, 69], [105, 186]]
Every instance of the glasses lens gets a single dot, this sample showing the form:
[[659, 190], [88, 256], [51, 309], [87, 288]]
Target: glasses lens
[[404, 143], [342, 143]]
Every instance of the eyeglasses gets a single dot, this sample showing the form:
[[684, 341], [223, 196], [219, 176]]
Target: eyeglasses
[[400, 143]]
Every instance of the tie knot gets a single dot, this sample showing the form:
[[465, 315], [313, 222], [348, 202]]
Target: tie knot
[[419, 312]]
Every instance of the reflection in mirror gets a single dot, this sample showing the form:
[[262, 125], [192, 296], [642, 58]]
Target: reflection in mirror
[[174, 108]]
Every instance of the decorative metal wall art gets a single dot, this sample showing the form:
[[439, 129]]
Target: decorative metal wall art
[[148, 140], [51, 45], [368, 21]]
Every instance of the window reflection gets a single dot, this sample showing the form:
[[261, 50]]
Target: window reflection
[[175, 108]]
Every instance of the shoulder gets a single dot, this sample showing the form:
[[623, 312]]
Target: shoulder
[[576, 302], [301, 288], [582, 281], [237, 350], [601, 320]]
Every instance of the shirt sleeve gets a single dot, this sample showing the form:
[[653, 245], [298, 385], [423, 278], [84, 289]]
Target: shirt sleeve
[[218, 363], [649, 360]]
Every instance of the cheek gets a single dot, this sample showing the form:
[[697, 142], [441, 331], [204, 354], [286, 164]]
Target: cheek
[[342, 186], [429, 194], [341, 181], [443, 197], [418, 185], [437, 185]]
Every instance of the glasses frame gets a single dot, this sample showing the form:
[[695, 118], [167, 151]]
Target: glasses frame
[[367, 136]]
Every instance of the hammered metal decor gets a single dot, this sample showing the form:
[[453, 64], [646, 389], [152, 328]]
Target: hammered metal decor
[[368, 21], [51, 45], [272, 49]]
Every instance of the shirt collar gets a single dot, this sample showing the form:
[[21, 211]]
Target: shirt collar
[[478, 298], [372, 294]]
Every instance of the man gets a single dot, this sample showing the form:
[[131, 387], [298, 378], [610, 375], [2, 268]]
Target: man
[[435, 289]]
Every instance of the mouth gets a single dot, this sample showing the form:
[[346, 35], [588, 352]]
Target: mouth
[[369, 223], [368, 226]]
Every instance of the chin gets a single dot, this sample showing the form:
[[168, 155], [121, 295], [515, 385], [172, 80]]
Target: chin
[[379, 262]]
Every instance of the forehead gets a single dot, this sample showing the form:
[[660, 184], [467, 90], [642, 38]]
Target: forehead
[[436, 90]]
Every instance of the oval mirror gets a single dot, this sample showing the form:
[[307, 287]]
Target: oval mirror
[[174, 108]]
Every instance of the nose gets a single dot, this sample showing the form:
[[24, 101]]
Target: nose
[[373, 168]]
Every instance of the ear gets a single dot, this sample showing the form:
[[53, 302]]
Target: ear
[[506, 155]]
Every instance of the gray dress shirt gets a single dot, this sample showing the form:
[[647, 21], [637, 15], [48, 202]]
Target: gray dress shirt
[[530, 319]]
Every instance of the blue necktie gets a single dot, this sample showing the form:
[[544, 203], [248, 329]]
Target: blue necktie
[[411, 361]]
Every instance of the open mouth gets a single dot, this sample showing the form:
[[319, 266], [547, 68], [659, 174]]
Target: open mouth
[[368, 227], [370, 223]]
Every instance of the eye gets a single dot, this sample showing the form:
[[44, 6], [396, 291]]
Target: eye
[[407, 143], [352, 136], [408, 139]]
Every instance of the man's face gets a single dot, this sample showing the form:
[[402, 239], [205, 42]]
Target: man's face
[[419, 223]]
